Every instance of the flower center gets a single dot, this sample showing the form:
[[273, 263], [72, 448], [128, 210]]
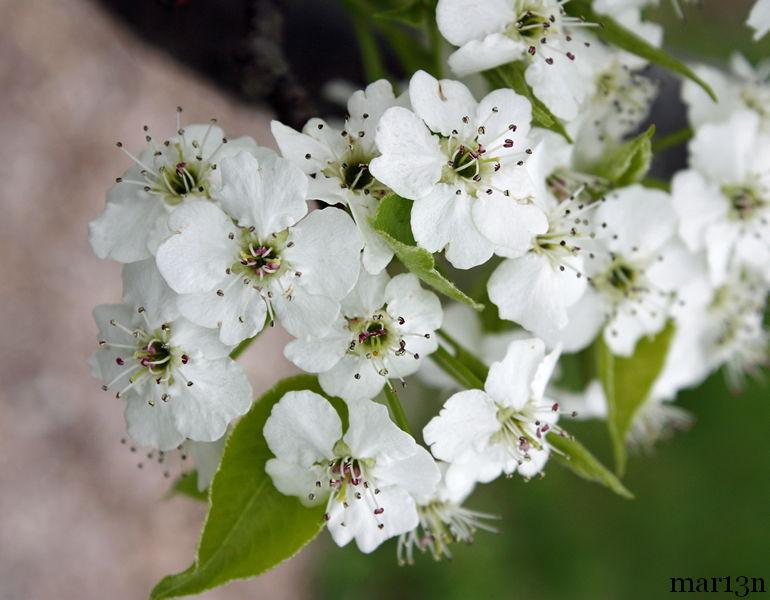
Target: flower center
[[565, 184], [531, 26], [745, 202], [257, 258], [373, 337], [357, 176]]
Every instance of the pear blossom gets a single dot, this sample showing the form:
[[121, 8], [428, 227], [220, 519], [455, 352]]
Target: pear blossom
[[337, 162], [536, 289], [459, 161], [742, 87], [635, 268], [491, 33], [366, 477], [502, 428], [443, 521], [759, 19], [163, 177], [259, 256], [176, 377], [723, 200], [385, 330]]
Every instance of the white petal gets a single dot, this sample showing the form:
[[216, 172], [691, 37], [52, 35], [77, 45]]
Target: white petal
[[206, 456], [292, 479], [144, 287], [480, 55], [399, 516], [510, 225], [239, 313], [446, 106], [372, 434], [195, 258], [296, 146], [509, 381], [152, 426], [316, 355], [418, 474], [269, 194], [303, 428], [585, 320], [367, 296], [411, 160], [759, 19], [461, 21], [340, 380], [467, 420], [561, 86], [220, 392], [377, 254], [304, 314], [697, 204], [722, 152], [193, 338], [443, 219], [121, 231], [543, 374], [420, 309], [498, 111], [534, 293], [326, 248]]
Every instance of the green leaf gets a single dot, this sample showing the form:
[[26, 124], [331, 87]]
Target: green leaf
[[251, 527], [187, 485], [392, 222], [511, 76], [576, 457], [627, 382], [629, 162], [614, 33], [456, 369]]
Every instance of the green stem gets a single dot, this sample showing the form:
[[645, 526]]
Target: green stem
[[435, 39], [399, 416], [456, 370], [664, 142], [242, 347], [370, 52], [465, 356]]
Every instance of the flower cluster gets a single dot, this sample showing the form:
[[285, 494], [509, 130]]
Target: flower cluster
[[219, 238]]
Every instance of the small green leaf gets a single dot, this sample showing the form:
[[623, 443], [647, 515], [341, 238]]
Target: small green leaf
[[251, 527], [614, 33], [511, 76], [187, 485], [393, 223], [627, 383], [576, 457], [629, 162]]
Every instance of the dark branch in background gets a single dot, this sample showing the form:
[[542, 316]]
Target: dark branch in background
[[277, 53]]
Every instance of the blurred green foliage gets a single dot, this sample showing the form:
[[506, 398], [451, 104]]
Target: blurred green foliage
[[702, 504]]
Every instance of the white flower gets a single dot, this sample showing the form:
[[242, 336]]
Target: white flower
[[536, 289], [385, 329], [635, 267], [501, 429], [176, 377], [164, 175], [365, 477], [759, 19], [723, 200], [443, 521], [338, 163], [459, 161], [465, 326], [491, 33], [260, 257], [743, 87]]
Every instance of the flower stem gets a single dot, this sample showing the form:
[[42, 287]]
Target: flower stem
[[456, 369], [664, 142], [465, 356], [399, 416]]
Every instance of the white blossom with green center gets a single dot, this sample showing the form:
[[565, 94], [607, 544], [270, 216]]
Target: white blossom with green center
[[366, 478], [723, 200], [259, 257], [502, 428], [461, 161], [176, 377], [337, 162], [164, 175], [385, 330]]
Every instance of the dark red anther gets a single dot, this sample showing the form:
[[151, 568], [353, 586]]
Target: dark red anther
[[120, 361], [379, 511], [555, 407], [181, 166], [508, 143], [185, 358]]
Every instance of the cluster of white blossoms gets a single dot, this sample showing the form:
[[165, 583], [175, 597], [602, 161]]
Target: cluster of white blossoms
[[219, 238]]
